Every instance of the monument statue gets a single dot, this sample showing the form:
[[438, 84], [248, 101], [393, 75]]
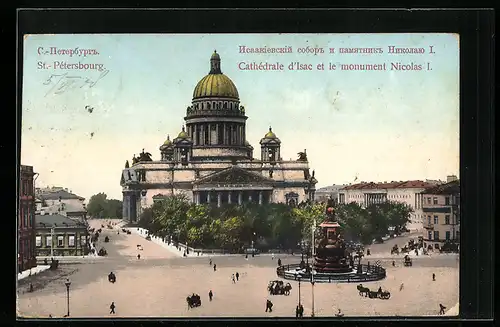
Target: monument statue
[[145, 156], [302, 156], [135, 160]]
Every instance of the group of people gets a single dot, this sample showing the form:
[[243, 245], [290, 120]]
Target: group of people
[[237, 275]]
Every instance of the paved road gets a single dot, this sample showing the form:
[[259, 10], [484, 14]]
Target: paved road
[[158, 283]]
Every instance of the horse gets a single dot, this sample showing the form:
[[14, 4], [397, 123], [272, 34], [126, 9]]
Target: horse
[[287, 289], [363, 290]]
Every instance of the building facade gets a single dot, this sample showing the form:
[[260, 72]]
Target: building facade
[[58, 200], [441, 207], [408, 192], [60, 236], [25, 219], [328, 192], [211, 161]]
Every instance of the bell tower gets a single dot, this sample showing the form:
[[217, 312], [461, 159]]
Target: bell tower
[[270, 147]]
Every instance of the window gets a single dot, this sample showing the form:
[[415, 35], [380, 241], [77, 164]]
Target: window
[[430, 235], [428, 220], [435, 200], [71, 240], [447, 235], [458, 235], [447, 219], [436, 235], [428, 200], [60, 241], [83, 240], [48, 241], [447, 201], [436, 220], [38, 240]]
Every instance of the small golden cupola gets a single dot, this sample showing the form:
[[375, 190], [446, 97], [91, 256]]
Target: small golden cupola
[[270, 147], [167, 150], [183, 147]]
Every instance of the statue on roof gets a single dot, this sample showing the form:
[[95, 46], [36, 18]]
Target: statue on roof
[[135, 160], [302, 156], [145, 156], [127, 164]]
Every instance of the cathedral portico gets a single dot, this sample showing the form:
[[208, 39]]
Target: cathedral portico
[[211, 162]]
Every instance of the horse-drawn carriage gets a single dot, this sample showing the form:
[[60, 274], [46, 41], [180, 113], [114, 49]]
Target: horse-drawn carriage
[[193, 301], [112, 277], [277, 287], [395, 249], [148, 238], [106, 239], [379, 294], [407, 261], [102, 252]]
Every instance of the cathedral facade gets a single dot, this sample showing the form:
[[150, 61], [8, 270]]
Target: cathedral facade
[[210, 160]]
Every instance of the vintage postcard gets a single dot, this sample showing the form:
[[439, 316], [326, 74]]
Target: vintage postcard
[[239, 175]]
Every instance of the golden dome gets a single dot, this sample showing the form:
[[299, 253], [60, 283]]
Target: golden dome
[[215, 84], [270, 134], [167, 141]]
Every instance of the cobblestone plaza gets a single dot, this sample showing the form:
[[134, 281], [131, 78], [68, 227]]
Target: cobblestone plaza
[[157, 284]]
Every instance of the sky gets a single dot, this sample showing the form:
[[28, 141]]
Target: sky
[[356, 125]]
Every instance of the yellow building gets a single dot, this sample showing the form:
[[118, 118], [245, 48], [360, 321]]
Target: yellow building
[[441, 208]]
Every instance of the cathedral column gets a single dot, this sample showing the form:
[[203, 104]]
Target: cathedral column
[[202, 138], [229, 197], [217, 133], [250, 197], [208, 197], [240, 197], [196, 197], [260, 197], [209, 134], [219, 199]]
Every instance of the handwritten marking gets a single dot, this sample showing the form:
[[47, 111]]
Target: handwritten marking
[[64, 82]]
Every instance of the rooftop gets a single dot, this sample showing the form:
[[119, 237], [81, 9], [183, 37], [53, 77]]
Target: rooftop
[[59, 194], [452, 187], [42, 221], [389, 185]]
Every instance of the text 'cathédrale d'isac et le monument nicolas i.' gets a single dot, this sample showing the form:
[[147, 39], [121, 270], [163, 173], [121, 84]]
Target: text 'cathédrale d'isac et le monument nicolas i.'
[[394, 58]]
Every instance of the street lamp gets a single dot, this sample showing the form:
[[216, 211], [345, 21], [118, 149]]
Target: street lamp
[[299, 277], [252, 240], [312, 291], [67, 283]]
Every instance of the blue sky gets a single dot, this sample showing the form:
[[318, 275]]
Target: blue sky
[[373, 125]]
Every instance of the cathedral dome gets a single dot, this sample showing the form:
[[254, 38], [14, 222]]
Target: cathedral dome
[[183, 134], [215, 84], [167, 141], [270, 134]]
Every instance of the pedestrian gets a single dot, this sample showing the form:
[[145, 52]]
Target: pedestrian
[[269, 306], [215, 267], [279, 262], [441, 309], [401, 287], [339, 314], [31, 287], [246, 256], [210, 262], [393, 263], [232, 278], [433, 277], [272, 256], [210, 295], [297, 311], [112, 308], [301, 310], [237, 276], [138, 256]]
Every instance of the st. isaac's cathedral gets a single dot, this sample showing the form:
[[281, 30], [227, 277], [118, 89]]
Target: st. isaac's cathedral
[[210, 160]]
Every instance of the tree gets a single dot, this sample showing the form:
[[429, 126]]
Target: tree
[[97, 205], [101, 207], [170, 214]]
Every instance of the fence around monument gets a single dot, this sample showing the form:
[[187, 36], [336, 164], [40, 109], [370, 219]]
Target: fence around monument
[[375, 273]]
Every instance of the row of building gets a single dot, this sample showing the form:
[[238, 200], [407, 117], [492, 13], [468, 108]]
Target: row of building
[[435, 204], [51, 221]]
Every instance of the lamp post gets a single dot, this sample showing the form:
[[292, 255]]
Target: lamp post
[[299, 277], [67, 283], [313, 229], [253, 240]]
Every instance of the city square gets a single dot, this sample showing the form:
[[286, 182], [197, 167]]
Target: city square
[[157, 284], [237, 196]]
